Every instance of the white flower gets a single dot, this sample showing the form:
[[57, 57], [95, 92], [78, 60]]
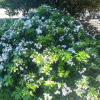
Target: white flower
[[95, 55], [42, 70], [62, 20], [76, 28], [72, 50], [48, 73], [21, 68], [38, 45], [38, 62], [98, 78], [1, 67], [88, 49], [64, 92], [24, 52], [47, 97], [0, 85], [42, 17], [17, 64], [78, 43], [4, 56], [70, 62], [39, 98], [57, 92], [38, 30], [3, 44], [59, 85], [64, 46], [42, 78], [1, 59], [28, 22], [2, 38], [33, 59], [84, 69], [61, 38], [70, 22]]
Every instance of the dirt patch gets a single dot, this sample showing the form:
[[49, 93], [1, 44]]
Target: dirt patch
[[92, 22]]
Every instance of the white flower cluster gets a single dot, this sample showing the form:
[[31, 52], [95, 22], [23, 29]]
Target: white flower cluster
[[8, 34], [5, 50], [59, 85], [38, 45], [20, 50], [82, 85], [0, 84], [88, 49], [95, 55], [66, 90], [38, 30], [27, 24], [61, 38], [39, 81], [70, 62], [57, 92], [72, 50], [62, 20], [76, 28], [50, 21], [84, 69], [78, 43], [4, 56], [64, 46], [66, 29], [98, 78], [44, 58], [1, 67], [70, 22], [47, 96]]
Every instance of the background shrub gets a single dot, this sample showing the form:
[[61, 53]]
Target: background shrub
[[49, 56], [76, 8]]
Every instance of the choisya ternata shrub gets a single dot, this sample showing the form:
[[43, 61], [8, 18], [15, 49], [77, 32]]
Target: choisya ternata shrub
[[48, 56]]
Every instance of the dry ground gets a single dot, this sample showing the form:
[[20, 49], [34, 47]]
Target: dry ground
[[92, 22]]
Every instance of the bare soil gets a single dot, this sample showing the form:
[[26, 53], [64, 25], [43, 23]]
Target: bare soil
[[92, 22]]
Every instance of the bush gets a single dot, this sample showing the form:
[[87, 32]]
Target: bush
[[49, 56], [5, 24]]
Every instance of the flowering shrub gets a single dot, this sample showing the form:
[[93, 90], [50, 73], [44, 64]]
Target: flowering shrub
[[5, 24], [48, 56]]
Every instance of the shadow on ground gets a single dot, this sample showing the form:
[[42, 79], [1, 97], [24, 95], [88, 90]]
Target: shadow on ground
[[91, 29]]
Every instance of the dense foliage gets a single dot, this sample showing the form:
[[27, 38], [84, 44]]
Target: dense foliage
[[5, 24], [14, 6], [75, 7], [48, 56]]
